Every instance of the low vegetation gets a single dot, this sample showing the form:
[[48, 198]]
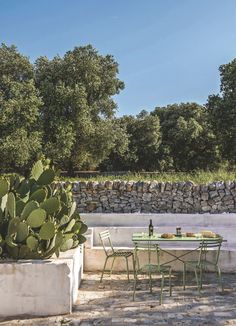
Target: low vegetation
[[199, 177]]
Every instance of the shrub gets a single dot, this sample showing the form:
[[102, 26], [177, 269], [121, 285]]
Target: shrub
[[38, 216]]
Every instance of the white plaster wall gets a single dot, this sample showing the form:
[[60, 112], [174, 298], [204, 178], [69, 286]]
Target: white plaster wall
[[159, 220], [122, 226], [95, 258], [40, 288]]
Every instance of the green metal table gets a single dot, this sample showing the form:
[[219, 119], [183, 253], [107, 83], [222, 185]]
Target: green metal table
[[142, 241], [144, 238]]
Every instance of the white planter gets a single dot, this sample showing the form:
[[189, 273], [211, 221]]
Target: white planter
[[40, 287]]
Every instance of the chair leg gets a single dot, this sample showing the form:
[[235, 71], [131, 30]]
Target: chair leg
[[127, 266], [135, 282], [162, 286], [201, 277], [184, 276], [150, 282], [197, 280], [112, 265], [133, 265], [220, 283], [138, 264], [103, 269], [170, 283]]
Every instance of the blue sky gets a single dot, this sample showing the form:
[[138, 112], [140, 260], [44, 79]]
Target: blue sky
[[168, 51]]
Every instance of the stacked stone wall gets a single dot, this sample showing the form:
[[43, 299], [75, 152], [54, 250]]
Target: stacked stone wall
[[155, 197]]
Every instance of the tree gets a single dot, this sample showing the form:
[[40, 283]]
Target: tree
[[222, 111], [187, 137], [143, 139], [77, 115], [20, 138]]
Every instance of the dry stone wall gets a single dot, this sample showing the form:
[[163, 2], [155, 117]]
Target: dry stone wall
[[155, 197]]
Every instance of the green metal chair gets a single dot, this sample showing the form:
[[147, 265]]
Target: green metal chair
[[151, 268], [200, 266], [110, 252]]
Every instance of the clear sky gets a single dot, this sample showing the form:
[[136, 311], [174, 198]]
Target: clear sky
[[168, 51]]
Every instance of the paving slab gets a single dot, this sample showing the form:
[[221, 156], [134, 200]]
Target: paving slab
[[110, 303]]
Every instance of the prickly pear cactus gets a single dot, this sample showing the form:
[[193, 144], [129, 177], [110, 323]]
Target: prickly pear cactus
[[38, 216]]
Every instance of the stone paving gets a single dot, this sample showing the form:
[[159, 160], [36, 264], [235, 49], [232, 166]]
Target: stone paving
[[110, 304]]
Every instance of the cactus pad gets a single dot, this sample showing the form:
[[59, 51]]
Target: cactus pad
[[67, 245], [22, 232], [4, 187], [37, 170], [51, 205], [32, 243], [29, 207], [64, 220], [39, 195], [12, 226], [4, 202], [19, 207], [70, 225], [47, 231], [11, 205], [36, 218], [72, 209], [46, 177]]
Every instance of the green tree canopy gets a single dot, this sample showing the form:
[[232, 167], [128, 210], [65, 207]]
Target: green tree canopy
[[222, 111], [20, 139], [78, 108], [142, 135], [187, 138]]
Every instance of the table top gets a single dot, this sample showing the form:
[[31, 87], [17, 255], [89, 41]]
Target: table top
[[157, 237]]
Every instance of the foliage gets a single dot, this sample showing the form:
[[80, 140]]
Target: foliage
[[63, 108], [20, 138], [222, 111], [187, 137], [37, 217], [78, 108], [143, 140]]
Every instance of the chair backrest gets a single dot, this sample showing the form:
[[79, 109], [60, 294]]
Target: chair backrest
[[204, 247], [150, 248], [106, 241]]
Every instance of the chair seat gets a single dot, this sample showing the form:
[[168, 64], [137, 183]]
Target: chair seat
[[121, 254]]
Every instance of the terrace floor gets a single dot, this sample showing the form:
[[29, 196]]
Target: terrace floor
[[110, 303]]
